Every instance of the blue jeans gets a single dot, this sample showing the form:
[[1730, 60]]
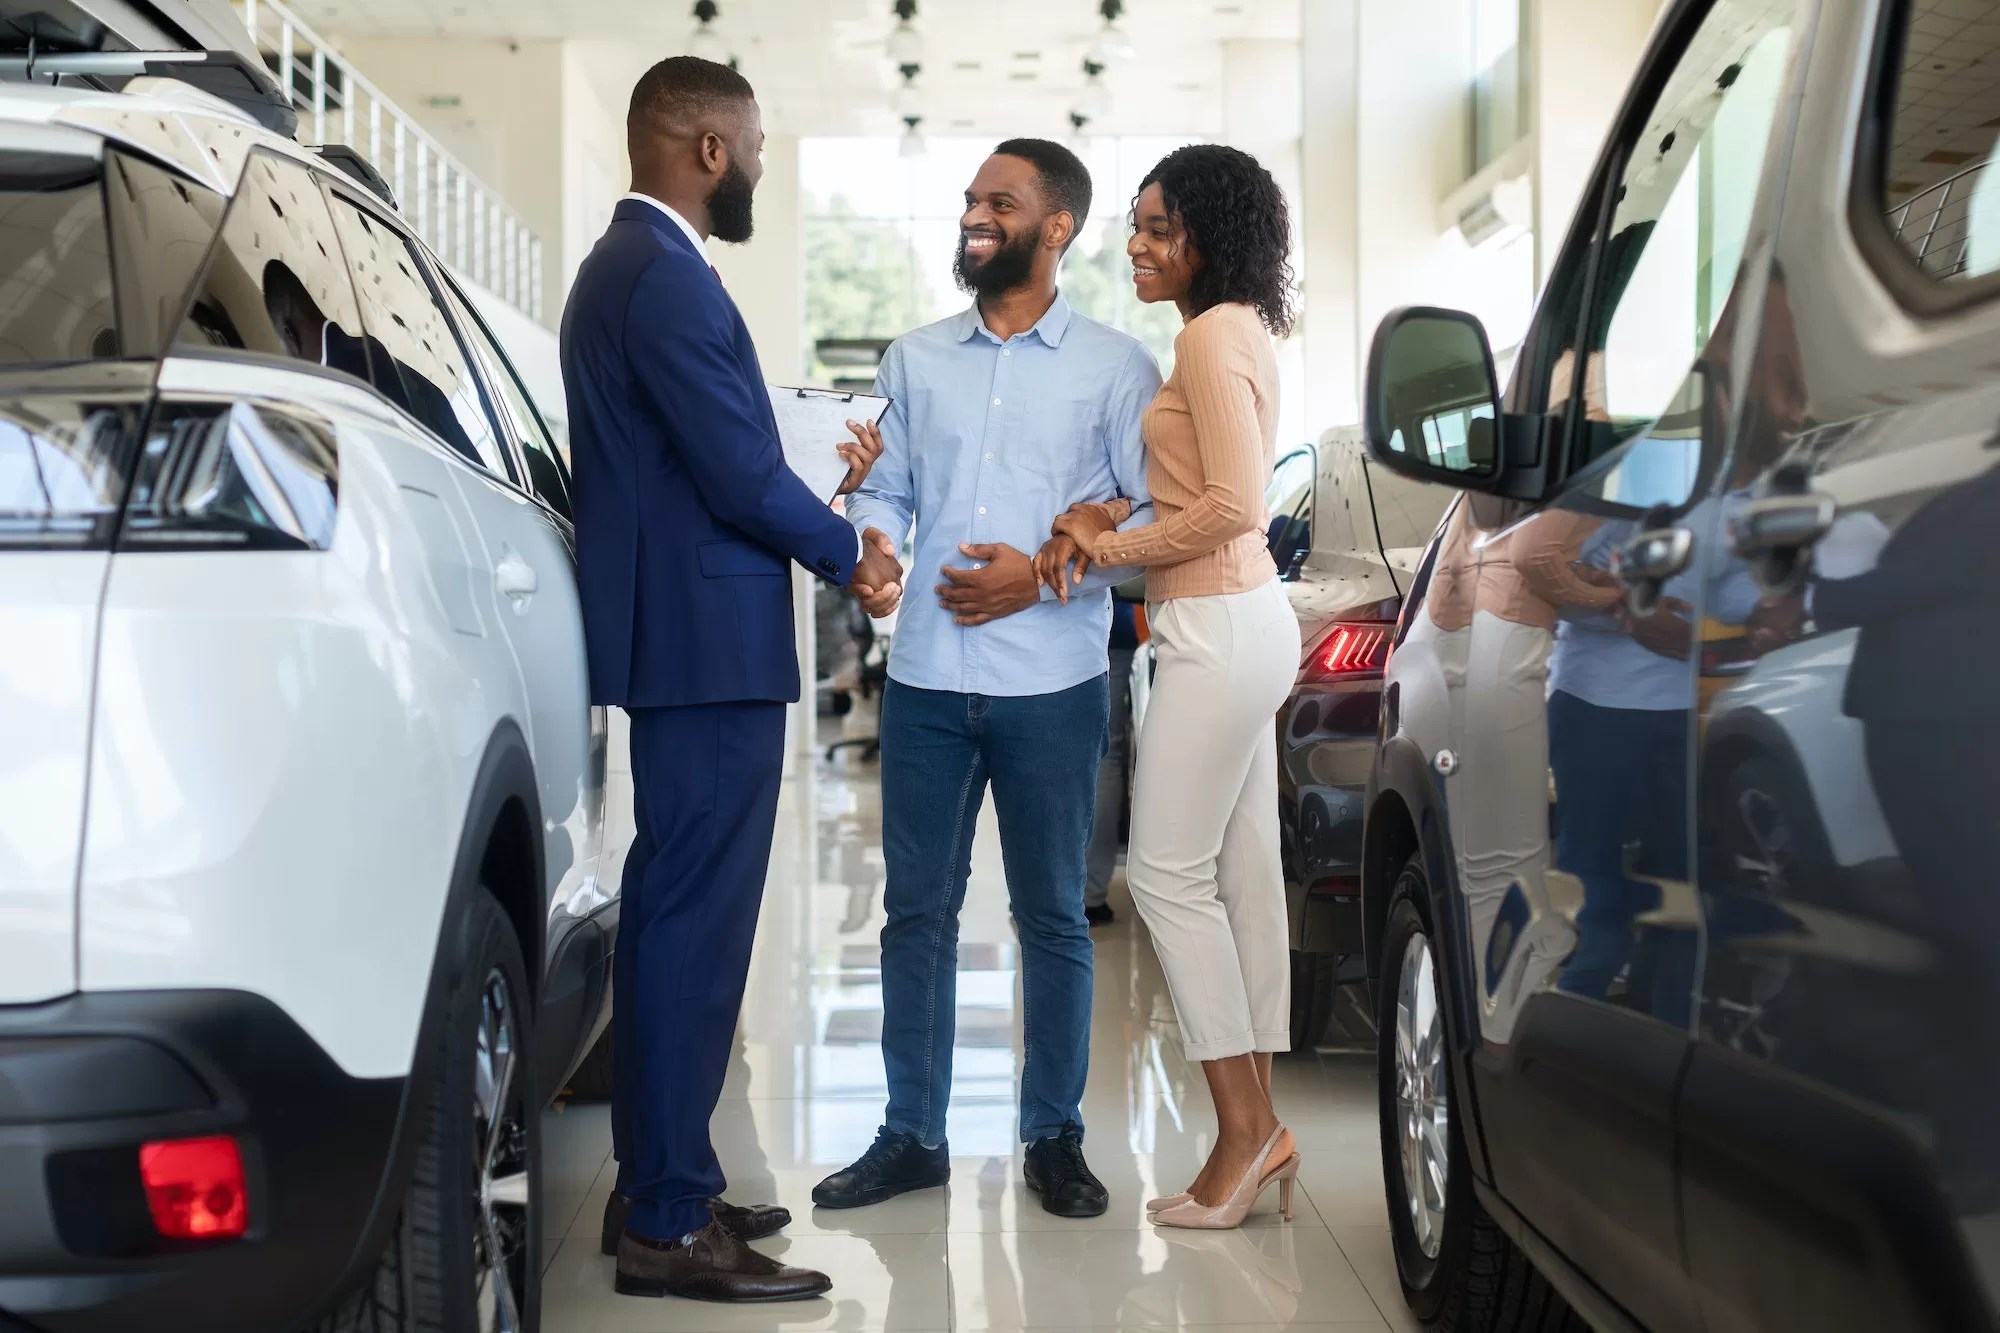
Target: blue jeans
[[1621, 809], [939, 752]]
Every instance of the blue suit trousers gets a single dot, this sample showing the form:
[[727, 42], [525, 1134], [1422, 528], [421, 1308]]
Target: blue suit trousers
[[705, 799]]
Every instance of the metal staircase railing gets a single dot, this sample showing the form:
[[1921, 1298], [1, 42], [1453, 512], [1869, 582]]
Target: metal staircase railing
[[462, 220], [1936, 223]]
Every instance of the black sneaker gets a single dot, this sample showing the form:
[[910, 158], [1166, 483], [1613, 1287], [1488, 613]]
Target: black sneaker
[[894, 1164], [1056, 1171], [1100, 915]]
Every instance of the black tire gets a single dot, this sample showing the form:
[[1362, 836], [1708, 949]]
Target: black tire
[[434, 1275], [1478, 1281], [592, 1080], [1313, 992]]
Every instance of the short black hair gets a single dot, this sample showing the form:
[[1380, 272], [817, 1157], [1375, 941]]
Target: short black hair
[[1063, 179], [1237, 220], [676, 95]]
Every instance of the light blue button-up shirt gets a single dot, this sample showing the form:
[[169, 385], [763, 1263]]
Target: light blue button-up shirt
[[987, 441]]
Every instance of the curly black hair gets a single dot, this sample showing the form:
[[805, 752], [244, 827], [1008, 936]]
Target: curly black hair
[[1237, 220]]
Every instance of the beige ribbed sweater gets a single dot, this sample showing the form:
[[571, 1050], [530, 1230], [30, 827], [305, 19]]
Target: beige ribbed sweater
[[1211, 439]]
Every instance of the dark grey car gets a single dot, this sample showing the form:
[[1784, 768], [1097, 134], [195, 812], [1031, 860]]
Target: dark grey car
[[1680, 856]]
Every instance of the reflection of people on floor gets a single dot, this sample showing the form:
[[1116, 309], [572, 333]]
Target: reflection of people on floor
[[1621, 696]]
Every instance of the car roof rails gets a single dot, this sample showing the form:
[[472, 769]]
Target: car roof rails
[[228, 75], [351, 161]]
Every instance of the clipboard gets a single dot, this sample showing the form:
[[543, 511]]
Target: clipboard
[[812, 425]]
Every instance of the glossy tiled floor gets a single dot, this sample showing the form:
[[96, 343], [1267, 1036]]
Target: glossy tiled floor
[[805, 1096]]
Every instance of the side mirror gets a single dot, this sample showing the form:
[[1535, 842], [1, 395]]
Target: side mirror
[[1431, 405]]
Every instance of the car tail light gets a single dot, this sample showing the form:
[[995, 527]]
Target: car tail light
[[195, 1188], [1358, 651]]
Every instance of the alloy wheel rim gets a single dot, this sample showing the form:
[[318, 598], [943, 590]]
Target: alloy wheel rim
[[1423, 1114], [500, 1141]]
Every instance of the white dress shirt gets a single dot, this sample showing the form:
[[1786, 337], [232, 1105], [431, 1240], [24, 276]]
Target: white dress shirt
[[687, 229], [701, 248]]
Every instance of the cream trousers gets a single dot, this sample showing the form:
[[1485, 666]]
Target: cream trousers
[[1204, 865]]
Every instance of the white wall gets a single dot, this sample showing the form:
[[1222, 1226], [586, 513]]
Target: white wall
[[1585, 53], [1262, 114]]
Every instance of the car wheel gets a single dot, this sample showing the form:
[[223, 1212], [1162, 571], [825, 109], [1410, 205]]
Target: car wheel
[[1458, 1269], [1313, 990], [592, 1080], [466, 1251]]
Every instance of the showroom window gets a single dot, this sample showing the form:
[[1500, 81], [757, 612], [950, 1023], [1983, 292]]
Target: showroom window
[[882, 230]]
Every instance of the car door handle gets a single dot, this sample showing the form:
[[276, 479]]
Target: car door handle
[[515, 577], [1779, 524], [1653, 556]]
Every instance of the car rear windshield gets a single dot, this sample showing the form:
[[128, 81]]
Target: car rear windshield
[[57, 302]]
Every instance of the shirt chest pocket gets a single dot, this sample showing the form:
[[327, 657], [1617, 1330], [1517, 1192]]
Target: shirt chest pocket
[[1057, 438]]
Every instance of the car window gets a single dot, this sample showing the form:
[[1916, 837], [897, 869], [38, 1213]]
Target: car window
[[1288, 502], [58, 293], [548, 474], [275, 284], [1944, 202], [162, 226], [1679, 224], [417, 361]]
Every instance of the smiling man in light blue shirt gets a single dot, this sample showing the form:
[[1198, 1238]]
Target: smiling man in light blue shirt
[[1004, 416]]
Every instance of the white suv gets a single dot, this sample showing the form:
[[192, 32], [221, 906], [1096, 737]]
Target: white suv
[[301, 795]]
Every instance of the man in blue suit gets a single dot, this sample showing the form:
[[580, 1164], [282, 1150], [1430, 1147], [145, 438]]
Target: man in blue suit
[[687, 523]]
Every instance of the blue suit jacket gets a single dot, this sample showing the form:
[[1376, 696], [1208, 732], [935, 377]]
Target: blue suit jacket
[[687, 518]]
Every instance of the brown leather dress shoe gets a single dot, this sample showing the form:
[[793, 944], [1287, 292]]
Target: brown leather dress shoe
[[746, 1222], [712, 1265]]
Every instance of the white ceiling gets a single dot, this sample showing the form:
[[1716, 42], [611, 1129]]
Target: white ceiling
[[821, 66]]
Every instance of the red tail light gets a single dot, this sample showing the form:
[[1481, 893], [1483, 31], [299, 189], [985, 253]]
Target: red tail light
[[195, 1188], [1351, 652]]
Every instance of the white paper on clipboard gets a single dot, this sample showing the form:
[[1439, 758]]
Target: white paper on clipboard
[[812, 425]]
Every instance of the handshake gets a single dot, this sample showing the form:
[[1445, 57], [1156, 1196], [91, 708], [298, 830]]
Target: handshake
[[878, 575]]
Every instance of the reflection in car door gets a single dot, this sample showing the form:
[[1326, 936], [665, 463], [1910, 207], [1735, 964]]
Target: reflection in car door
[[1840, 1165], [1569, 800]]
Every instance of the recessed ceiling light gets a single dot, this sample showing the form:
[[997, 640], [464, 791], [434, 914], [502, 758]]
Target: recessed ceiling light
[[1023, 76], [1027, 55], [966, 65]]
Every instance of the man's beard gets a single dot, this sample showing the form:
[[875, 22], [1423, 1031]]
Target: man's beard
[[1010, 266], [729, 206]]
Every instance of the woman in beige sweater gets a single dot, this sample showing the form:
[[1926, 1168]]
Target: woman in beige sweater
[[1211, 233]]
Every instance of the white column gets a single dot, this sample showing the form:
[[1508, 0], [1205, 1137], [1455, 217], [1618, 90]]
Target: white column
[[767, 279], [1584, 53], [1262, 113], [1328, 209]]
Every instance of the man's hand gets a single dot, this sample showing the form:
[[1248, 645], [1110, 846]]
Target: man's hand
[[860, 455], [1053, 562], [878, 576], [1666, 631], [1007, 584]]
